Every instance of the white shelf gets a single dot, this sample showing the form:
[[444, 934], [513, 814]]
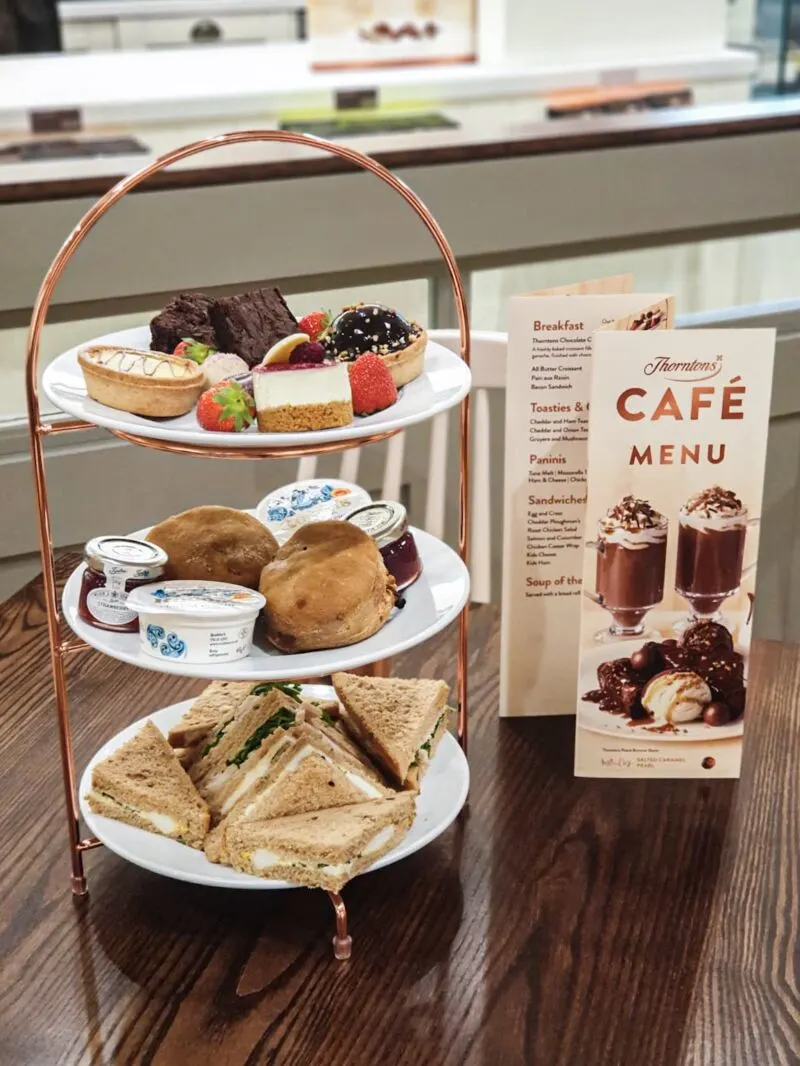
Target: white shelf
[[431, 603]]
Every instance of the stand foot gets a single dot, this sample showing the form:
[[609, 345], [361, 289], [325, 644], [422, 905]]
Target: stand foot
[[79, 887], [342, 941]]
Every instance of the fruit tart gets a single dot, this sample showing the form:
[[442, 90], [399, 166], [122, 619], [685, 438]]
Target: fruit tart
[[144, 383]]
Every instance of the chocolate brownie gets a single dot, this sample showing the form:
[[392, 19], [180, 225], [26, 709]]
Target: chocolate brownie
[[187, 315], [250, 323]]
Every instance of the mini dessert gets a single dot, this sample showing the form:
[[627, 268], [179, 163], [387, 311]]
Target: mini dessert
[[226, 408], [286, 510], [186, 316], [295, 397], [676, 696], [326, 588], [372, 385], [387, 524], [250, 323], [114, 567], [364, 328], [222, 366], [665, 683], [156, 386], [215, 544], [196, 622]]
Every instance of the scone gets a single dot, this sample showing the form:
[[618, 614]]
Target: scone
[[326, 587], [215, 544]]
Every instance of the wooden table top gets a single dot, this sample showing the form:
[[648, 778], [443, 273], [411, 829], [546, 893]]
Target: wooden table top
[[561, 921]]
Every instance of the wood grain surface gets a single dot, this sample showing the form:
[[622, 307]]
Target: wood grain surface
[[560, 922]]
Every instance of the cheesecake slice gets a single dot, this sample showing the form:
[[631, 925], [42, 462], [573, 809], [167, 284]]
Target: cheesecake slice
[[297, 397]]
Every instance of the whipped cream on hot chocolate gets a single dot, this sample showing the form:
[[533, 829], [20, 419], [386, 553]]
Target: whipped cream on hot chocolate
[[714, 508], [633, 522]]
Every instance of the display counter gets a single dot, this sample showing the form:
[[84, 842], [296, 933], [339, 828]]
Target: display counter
[[539, 187], [171, 85]]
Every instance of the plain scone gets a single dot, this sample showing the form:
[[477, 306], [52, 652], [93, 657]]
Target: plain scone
[[327, 587], [215, 544]]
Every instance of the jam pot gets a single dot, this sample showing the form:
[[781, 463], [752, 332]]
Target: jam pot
[[114, 567], [387, 524]]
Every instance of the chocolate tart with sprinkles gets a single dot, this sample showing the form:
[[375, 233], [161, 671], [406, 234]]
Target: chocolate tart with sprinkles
[[371, 327]]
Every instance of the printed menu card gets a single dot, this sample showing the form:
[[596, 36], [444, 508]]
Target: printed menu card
[[548, 384], [677, 444]]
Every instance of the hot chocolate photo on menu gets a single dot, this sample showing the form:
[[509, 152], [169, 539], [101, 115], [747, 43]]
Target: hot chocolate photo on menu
[[631, 551], [711, 541]]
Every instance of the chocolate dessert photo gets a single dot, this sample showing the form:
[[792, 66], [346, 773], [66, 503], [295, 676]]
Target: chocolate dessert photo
[[690, 688]]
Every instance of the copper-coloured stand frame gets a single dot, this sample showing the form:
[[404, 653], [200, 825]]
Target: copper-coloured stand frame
[[60, 648]]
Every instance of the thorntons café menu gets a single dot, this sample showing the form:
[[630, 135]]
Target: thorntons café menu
[[677, 444], [547, 424]]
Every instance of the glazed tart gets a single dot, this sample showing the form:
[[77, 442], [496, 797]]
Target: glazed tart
[[364, 328], [144, 383], [297, 397]]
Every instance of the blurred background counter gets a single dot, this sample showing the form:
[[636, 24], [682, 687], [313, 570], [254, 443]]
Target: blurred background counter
[[554, 157]]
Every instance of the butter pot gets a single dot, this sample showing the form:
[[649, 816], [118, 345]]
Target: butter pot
[[196, 622]]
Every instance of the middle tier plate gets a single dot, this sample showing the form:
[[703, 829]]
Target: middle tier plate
[[431, 603]]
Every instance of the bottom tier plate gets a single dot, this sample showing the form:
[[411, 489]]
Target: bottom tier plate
[[443, 794]]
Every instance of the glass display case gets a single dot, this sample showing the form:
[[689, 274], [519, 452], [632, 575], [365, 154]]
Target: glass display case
[[771, 28]]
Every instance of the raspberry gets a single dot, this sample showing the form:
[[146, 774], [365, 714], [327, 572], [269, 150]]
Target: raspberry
[[308, 352]]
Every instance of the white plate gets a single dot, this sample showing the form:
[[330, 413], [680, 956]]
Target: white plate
[[443, 794], [591, 718], [444, 382], [432, 602]]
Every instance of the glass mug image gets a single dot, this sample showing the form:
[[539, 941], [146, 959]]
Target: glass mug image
[[709, 566], [631, 551]]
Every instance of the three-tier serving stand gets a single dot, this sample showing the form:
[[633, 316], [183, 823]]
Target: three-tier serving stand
[[61, 649]]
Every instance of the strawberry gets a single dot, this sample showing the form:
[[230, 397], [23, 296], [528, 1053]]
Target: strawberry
[[226, 408], [188, 348], [315, 324], [371, 384]]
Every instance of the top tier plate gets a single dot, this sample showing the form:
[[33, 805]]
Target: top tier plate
[[444, 382]]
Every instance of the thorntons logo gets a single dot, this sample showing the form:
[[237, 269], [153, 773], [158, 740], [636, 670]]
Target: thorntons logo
[[694, 370]]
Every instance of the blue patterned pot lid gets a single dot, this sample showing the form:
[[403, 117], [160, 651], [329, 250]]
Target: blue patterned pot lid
[[316, 500], [206, 599]]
